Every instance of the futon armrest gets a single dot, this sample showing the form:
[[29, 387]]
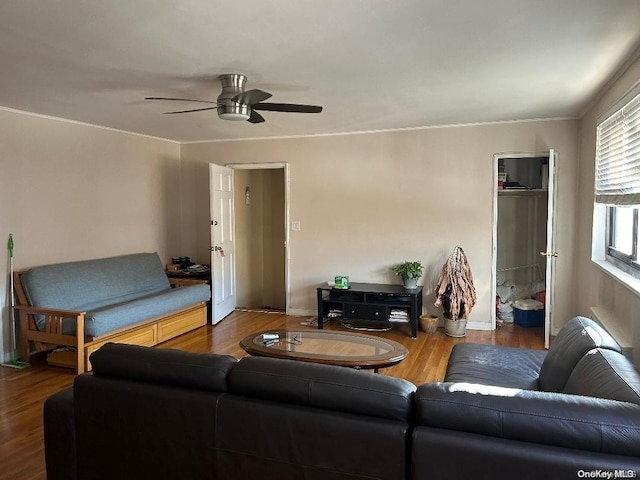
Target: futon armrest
[[549, 418], [49, 311], [47, 325]]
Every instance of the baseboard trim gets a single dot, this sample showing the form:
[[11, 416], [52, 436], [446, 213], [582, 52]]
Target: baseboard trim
[[301, 312], [479, 326]]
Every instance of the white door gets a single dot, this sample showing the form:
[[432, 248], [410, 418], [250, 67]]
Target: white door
[[550, 253], [222, 242]]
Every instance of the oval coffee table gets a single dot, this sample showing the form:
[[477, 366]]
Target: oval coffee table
[[344, 349]]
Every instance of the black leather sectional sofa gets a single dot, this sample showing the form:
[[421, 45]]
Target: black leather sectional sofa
[[501, 413]]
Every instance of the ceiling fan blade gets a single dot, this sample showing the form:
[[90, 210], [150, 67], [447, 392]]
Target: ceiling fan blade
[[188, 111], [287, 107], [251, 97], [179, 99], [255, 117]]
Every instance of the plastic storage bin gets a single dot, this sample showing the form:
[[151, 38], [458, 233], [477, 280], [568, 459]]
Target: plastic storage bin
[[528, 313]]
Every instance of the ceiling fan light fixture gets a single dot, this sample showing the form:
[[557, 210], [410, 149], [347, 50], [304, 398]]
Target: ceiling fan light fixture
[[236, 117], [238, 105]]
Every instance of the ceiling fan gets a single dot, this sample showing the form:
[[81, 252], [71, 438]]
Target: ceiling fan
[[234, 103]]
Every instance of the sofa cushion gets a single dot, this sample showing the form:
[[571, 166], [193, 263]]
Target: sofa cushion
[[323, 386], [203, 371], [547, 418], [111, 317], [606, 374], [495, 365], [574, 340], [73, 285]]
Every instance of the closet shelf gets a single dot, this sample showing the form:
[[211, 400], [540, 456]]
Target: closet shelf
[[519, 192]]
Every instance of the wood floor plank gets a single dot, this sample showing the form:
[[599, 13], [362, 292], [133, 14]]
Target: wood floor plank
[[23, 392]]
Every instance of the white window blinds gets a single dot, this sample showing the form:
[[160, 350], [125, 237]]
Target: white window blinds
[[618, 157]]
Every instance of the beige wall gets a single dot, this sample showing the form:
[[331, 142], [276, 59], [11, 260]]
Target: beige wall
[[368, 201], [274, 288], [249, 239], [72, 192], [365, 201], [594, 287]]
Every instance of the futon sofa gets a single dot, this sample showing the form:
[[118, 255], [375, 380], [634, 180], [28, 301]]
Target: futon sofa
[[501, 413], [82, 305]]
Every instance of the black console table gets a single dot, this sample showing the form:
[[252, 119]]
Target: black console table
[[370, 301]]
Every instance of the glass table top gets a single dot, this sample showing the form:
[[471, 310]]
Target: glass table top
[[322, 346]]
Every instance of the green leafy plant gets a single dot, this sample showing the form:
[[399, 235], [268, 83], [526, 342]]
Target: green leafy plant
[[409, 269]]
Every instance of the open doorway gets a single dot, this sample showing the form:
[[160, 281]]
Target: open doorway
[[523, 238], [260, 219]]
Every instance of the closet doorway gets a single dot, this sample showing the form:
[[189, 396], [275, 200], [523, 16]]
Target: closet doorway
[[260, 220], [523, 246]]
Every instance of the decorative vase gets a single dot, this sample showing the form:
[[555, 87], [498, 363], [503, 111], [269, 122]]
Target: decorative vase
[[455, 328], [409, 283], [429, 323]]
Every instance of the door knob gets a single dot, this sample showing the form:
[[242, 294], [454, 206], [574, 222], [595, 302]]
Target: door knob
[[549, 254]]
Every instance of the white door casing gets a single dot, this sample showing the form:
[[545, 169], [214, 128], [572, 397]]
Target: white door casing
[[222, 242], [550, 253]]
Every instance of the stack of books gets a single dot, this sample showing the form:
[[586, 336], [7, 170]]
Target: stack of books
[[397, 315]]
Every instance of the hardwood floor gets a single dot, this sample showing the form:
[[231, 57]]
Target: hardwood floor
[[22, 392]]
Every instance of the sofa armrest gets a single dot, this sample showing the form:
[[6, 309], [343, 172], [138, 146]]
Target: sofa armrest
[[60, 436], [563, 420]]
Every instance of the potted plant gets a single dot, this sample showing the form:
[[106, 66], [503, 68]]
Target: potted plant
[[410, 272], [455, 293]]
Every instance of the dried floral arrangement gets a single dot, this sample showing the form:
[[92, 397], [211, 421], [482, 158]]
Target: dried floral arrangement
[[456, 282]]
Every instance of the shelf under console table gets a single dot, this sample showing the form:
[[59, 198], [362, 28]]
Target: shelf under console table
[[371, 302]]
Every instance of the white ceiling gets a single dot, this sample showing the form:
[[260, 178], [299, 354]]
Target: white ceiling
[[372, 64]]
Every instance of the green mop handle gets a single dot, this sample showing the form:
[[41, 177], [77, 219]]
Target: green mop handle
[[10, 245], [12, 316]]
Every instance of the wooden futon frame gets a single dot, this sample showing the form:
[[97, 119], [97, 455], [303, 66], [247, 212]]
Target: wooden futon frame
[[79, 346]]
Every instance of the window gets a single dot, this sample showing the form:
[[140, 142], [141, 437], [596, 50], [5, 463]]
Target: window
[[622, 237], [617, 184]]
